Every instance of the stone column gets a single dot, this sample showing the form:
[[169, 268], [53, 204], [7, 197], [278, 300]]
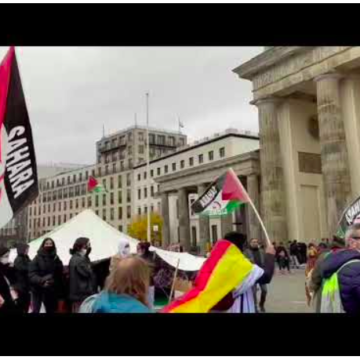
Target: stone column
[[334, 156], [272, 184], [252, 220], [166, 219], [204, 225], [226, 224], [184, 221]]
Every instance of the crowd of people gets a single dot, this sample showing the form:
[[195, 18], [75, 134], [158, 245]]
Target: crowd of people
[[332, 271]]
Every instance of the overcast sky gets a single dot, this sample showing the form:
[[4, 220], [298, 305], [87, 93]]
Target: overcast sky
[[72, 92]]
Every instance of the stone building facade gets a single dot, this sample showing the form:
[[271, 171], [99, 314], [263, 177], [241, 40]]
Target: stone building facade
[[309, 123]]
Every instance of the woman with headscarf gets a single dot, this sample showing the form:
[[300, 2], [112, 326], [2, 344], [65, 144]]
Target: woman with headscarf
[[46, 278], [22, 284], [7, 295], [82, 277], [123, 252]]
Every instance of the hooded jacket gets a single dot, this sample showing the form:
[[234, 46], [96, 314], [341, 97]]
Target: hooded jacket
[[21, 266], [113, 303], [46, 266], [349, 277]]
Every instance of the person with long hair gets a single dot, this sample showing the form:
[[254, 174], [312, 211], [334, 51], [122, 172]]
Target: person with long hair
[[46, 278], [126, 288], [82, 277], [7, 295]]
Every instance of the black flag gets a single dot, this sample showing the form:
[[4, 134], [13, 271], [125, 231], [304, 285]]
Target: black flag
[[18, 171]]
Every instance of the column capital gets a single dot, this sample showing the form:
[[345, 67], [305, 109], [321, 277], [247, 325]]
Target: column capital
[[274, 100], [330, 75]]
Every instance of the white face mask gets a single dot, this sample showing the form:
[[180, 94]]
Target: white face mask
[[124, 250], [5, 259]]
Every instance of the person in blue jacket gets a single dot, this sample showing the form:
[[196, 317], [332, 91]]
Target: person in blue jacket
[[126, 289], [347, 263]]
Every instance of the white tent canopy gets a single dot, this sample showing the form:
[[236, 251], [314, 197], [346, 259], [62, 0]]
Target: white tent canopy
[[105, 241]]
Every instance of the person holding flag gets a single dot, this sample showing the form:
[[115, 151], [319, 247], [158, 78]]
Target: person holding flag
[[225, 281]]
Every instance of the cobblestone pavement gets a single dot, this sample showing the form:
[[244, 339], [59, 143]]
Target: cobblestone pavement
[[286, 293]]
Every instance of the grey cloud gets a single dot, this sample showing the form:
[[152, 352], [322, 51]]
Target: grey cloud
[[72, 91]]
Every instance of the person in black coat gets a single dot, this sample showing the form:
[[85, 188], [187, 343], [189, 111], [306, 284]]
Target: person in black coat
[[82, 277], [7, 297], [46, 278], [22, 283]]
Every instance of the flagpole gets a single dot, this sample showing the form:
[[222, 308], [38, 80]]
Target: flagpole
[[255, 210], [148, 170]]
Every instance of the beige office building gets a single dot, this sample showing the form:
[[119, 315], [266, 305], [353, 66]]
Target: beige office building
[[65, 195]]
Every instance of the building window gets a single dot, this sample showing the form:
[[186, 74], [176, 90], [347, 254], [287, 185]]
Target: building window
[[120, 213], [104, 214], [76, 203], [104, 199], [139, 211], [191, 161], [114, 168], [128, 179], [65, 218], [43, 222], [152, 190], [151, 173], [106, 169], [139, 177], [145, 210], [128, 212], [152, 138], [54, 207], [54, 221], [89, 201], [145, 175], [74, 177], [161, 139], [120, 228], [222, 152], [141, 149], [166, 168], [59, 219], [59, 206], [211, 155], [111, 183], [96, 200], [104, 183], [139, 194], [119, 181], [80, 177], [83, 202], [171, 141], [158, 171], [128, 195], [31, 210], [112, 198], [111, 214], [173, 166], [145, 193], [214, 233], [201, 158], [64, 205], [141, 136], [48, 207], [120, 197], [44, 209], [99, 171], [48, 221], [71, 191], [97, 212], [93, 172], [83, 189]]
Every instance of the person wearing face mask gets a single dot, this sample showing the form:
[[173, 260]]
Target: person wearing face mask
[[7, 296], [82, 277], [123, 252], [46, 278], [22, 284]]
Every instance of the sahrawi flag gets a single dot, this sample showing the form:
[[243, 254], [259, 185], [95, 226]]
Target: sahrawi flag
[[18, 171], [95, 186], [222, 197], [350, 216]]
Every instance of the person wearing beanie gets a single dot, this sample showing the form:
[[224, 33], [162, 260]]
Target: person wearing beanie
[[7, 296], [82, 277], [46, 278], [22, 284]]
